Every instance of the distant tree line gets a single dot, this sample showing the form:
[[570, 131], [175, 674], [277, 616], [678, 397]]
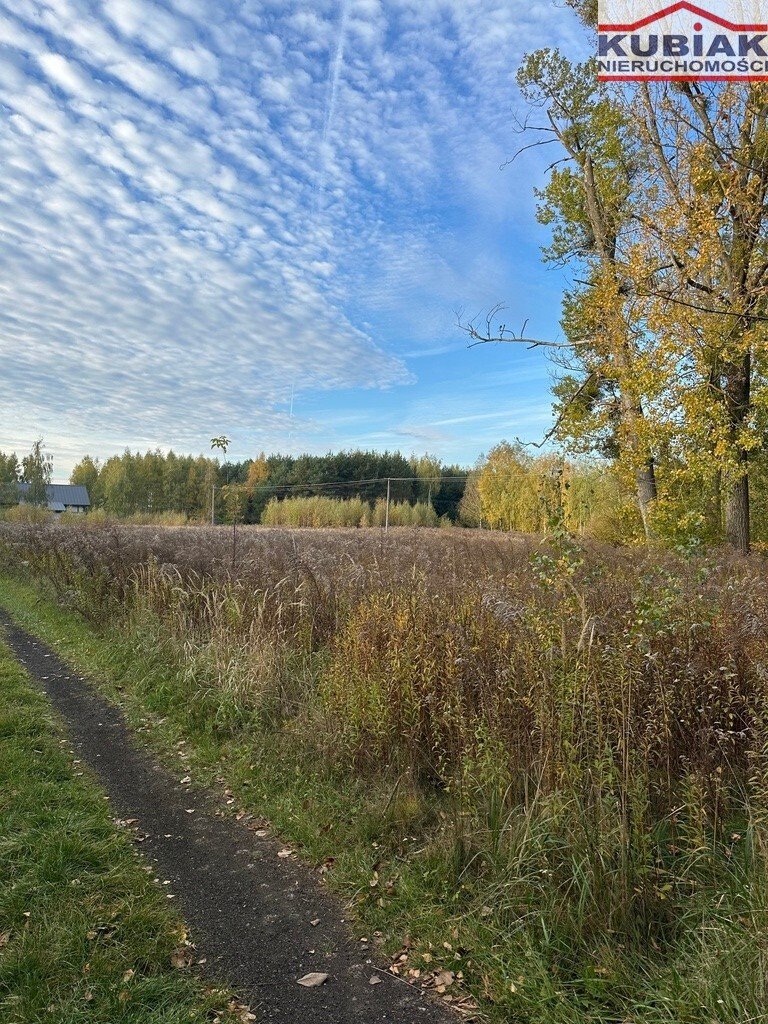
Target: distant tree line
[[154, 482], [510, 489], [33, 469]]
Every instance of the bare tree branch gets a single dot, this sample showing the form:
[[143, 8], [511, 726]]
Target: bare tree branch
[[531, 145], [501, 334]]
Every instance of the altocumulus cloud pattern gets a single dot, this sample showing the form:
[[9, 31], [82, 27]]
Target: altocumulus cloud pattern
[[196, 194]]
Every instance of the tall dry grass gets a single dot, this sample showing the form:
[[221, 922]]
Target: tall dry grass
[[592, 722]]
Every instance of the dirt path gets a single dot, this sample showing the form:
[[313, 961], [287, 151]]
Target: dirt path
[[249, 912]]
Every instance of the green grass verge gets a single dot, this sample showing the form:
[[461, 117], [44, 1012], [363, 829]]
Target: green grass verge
[[85, 934]]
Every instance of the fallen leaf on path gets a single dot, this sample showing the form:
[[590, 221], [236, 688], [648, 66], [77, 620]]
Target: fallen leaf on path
[[243, 1012], [374, 980], [285, 853], [315, 923], [313, 980]]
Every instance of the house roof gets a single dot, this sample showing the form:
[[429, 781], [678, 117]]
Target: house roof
[[62, 494]]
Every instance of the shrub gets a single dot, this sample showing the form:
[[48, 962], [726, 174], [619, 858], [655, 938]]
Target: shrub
[[320, 512], [26, 514]]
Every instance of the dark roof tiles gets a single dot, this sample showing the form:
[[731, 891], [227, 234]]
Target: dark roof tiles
[[63, 494]]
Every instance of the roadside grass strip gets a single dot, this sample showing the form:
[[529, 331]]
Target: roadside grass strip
[[85, 932]]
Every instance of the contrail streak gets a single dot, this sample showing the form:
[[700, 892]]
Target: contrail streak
[[334, 74], [335, 69]]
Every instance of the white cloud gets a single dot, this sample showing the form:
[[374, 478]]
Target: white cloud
[[66, 75], [204, 200], [277, 90], [196, 61]]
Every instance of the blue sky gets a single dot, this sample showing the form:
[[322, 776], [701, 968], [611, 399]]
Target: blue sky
[[210, 206]]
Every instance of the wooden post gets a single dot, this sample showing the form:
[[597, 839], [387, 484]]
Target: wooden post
[[386, 514]]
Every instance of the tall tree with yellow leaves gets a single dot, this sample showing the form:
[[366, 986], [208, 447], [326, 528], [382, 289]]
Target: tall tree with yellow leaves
[[705, 227], [588, 203]]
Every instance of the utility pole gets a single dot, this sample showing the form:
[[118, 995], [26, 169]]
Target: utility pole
[[386, 514], [213, 505]]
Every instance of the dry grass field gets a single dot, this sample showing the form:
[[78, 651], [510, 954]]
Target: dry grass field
[[558, 752]]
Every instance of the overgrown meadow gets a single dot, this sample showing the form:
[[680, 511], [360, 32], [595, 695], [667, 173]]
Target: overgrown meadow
[[564, 747]]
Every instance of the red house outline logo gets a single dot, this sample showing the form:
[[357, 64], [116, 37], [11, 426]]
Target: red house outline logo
[[698, 12], [682, 5]]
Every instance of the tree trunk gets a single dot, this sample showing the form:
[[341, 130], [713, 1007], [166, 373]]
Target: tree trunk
[[632, 416], [737, 515], [738, 379], [645, 479], [715, 507]]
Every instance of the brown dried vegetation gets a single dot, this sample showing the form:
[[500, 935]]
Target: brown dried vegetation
[[592, 722]]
